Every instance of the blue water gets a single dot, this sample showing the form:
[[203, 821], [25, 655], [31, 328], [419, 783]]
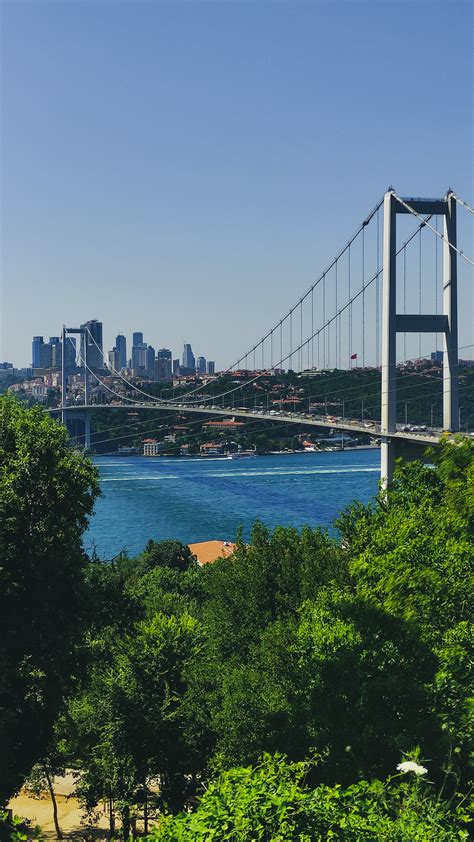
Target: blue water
[[204, 499]]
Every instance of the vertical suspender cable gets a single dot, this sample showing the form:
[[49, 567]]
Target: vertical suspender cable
[[350, 305], [281, 343], [363, 297], [263, 358], [301, 334], [291, 339], [337, 326], [324, 321], [377, 298], [312, 327], [271, 348], [436, 279], [404, 299], [419, 288]]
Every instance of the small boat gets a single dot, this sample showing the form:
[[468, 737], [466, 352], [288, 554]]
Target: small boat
[[242, 454]]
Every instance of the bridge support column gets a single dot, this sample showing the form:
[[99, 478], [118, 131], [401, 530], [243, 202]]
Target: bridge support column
[[447, 324], [450, 308], [388, 414], [387, 459], [87, 430]]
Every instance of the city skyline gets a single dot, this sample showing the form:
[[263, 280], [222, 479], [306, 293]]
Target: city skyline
[[143, 355], [293, 119]]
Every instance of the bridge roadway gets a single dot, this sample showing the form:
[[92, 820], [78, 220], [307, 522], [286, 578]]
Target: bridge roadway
[[424, 438]]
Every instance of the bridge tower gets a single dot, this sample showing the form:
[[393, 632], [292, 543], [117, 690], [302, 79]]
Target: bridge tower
[[82, 414], [393, 323]]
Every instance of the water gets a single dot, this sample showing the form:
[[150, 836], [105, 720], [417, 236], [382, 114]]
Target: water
[[203, 499]]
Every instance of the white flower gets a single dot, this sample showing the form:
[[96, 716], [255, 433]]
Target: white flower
[[410, 766]]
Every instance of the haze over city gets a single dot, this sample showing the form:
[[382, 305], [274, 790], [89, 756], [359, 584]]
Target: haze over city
[[186, 169]]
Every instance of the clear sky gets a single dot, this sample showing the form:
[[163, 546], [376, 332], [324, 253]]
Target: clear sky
[[187, 168]]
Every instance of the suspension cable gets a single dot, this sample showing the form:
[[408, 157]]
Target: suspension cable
[[431, 227], [463, 202]]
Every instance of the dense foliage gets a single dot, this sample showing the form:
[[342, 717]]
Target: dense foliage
[[46, 495], [272, 801], [333, 657]]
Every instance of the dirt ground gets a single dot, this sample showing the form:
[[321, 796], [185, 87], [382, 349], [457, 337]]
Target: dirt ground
[[39, 811]]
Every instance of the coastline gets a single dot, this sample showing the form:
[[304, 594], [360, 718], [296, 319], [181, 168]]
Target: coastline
[[223, 456]]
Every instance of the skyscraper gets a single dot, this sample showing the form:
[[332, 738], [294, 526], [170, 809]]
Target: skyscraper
[[150, 361], [70, 352], [36, 351], [56, 351], [113, 359], [139, 355], [211, 367], [201, 365], [92, 337], [163, 364], [121, 346], [137, 338], [188, 357]]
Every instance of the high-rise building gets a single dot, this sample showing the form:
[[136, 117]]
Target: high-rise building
[[188, 357], [92, 338], [150, 361], [163, 364], [137, 338], [56, 351], [175, 366], [201, 365], [113, 359], [139, 357], [211, 367], [121, 346], [36, 351], [70, 352]]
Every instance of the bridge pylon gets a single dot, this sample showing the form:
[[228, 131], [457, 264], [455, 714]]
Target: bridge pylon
[[393, 323], [83, 414]]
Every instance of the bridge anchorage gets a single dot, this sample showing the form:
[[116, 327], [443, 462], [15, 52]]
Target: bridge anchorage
[[340, 296]]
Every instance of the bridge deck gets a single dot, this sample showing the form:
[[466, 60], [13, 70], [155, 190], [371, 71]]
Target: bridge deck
[[345, 425]]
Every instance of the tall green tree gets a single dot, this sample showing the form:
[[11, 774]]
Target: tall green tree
[[47, 494]]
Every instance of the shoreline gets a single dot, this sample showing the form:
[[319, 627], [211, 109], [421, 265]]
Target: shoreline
[[223, 456]]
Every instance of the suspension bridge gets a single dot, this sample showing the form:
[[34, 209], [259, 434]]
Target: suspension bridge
[[397, 280]]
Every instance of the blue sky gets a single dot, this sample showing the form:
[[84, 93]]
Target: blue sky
[[187, 168]]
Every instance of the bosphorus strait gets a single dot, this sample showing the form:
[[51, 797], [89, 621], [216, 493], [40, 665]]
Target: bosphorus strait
[[202, 499]]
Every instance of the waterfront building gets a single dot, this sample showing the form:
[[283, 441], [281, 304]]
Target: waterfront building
[[92, 340], [201, 365], [211, 367], [121, 346], [228, 424], [152, 447], [188, 357]]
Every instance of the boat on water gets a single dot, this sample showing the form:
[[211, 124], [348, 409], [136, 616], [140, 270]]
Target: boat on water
[[242, 454]]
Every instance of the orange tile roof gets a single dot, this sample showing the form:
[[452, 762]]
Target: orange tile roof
[[208, 551]]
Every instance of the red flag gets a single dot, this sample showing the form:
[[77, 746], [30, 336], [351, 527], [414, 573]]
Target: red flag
[[353, 356]]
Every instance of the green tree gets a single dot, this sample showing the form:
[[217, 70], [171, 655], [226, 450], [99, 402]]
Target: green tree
[[47, 495], [125, 726]]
